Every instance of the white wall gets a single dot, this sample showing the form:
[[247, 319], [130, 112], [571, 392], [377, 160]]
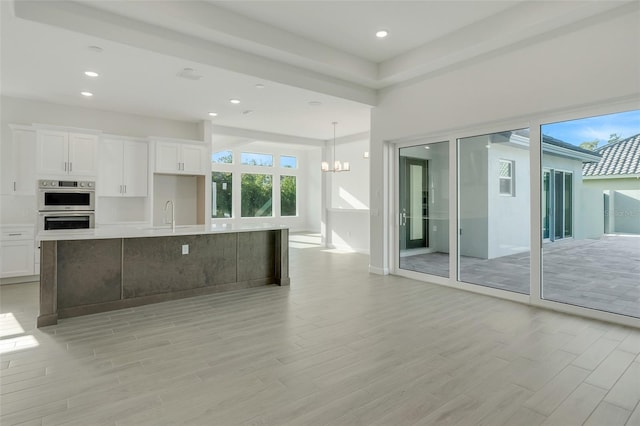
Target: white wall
[[474, 197], [182, 190], [314, 190], [624, 203], [350, 190], [347, 216], [590, 65], [25, 111], [509, 217]]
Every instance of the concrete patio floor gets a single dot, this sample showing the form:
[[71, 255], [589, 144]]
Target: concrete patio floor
[[602, 274]]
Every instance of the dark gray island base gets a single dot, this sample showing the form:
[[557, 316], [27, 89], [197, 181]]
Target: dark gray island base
[[86, 276]]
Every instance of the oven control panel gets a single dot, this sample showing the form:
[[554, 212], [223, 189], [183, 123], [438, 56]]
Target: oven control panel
[[64, 184]]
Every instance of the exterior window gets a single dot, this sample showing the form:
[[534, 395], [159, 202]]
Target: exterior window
[[288, 162], [253, 159], [256, 195], [288, 196], [507, 186], [221, 189], [222, 157]]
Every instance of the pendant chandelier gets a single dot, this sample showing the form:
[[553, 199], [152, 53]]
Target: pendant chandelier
[[338, 166]]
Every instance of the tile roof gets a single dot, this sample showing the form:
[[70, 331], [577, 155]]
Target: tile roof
[[619, 158]]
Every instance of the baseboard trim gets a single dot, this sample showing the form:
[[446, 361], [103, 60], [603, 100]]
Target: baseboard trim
[[378, 271]]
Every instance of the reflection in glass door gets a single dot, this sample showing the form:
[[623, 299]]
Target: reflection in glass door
[[424, 208], [494, 210], [413, 199]]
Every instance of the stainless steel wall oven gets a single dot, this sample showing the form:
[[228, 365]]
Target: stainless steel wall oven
[[66, 204]]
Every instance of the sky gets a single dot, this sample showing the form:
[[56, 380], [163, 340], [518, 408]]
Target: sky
[[625, 124]]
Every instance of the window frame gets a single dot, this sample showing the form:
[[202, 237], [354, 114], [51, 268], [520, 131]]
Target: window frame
[[511, 178]]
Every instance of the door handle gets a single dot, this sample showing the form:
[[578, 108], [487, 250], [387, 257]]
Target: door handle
[[70, 166], [65, 166]]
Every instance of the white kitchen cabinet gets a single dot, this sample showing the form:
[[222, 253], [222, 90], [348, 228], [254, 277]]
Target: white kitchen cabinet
[[17, 248], [181, 158], [18, 162], [66, 154], [123, 168]]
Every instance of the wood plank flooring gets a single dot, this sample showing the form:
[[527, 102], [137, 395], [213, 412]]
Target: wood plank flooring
[[338, 347]]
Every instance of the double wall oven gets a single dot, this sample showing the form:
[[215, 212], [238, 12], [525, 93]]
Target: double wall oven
[[66, 204]]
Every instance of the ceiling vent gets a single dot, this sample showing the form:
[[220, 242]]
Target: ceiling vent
[[189, 74]]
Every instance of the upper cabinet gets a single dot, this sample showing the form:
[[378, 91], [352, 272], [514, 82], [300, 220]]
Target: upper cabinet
[[18, 162], [123, 168], [66, 154], [182, 158]]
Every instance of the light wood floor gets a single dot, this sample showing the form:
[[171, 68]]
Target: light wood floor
[[340, 347]]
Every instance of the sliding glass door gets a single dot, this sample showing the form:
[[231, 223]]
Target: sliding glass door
[[494, 210], [423, 220], [591, 213]]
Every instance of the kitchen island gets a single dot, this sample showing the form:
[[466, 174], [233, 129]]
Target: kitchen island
[[95, 270]]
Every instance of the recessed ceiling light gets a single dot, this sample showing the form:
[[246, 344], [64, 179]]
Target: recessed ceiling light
[[213, 114], [315, 103], [427, 147], [95, 49], [87, 94], [247, 112], [259, 86], [91, 74], [234, 101], [382, 33]]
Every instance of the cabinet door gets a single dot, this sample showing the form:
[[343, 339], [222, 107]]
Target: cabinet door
[[192, 159], [136, 160], [82, 154], [52, 156], [24, 163], [110, 177], [167, 157], [17, 258]]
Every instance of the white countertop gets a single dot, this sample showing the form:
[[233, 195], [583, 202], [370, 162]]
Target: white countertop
[[101, 233]]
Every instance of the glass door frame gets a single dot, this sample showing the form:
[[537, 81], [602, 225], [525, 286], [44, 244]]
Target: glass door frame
[[395, 211], [534, 123]]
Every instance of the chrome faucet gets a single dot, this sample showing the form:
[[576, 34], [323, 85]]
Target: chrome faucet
[[173, 214]]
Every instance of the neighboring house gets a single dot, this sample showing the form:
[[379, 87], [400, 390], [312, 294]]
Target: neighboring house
[[617, 178]]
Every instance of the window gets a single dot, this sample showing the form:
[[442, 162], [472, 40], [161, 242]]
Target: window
[[221, 190], [253, 159], [288, 162], [507, 186], [288, 205], [256, 195], [222, 157]]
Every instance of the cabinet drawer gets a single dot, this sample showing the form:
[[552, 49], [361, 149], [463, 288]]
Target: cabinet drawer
[[16, 234]]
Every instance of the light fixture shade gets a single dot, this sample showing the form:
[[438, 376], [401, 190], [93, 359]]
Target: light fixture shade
[[338, 166]]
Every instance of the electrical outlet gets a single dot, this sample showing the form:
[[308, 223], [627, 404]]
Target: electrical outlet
[[435, 228], [185, 249]]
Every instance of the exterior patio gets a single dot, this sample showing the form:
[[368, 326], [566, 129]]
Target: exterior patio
[[602, 274]]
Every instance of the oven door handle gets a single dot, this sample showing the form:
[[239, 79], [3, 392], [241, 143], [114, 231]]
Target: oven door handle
[[67, 218]]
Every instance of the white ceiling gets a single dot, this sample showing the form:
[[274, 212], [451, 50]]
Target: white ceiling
[[301, 51], [350, 25]]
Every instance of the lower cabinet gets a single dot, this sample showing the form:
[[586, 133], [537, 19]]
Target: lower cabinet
[[17, 249]]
